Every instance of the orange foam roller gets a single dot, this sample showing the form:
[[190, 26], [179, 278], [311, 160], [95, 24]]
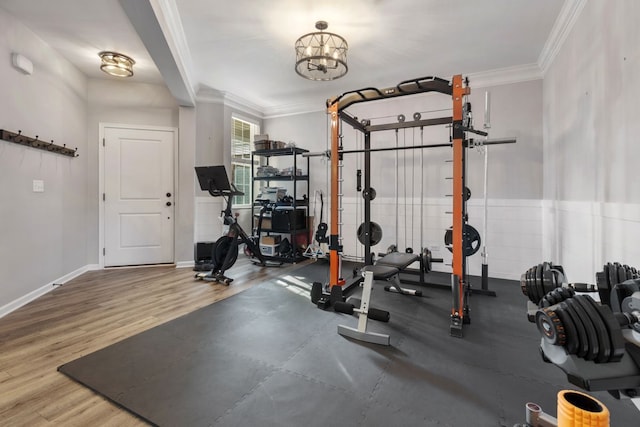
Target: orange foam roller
[[576, 409]]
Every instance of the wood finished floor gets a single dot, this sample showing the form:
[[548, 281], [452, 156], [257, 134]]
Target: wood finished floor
[[86, 314]]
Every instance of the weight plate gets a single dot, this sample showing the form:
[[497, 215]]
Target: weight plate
[[615, 333], [530, 288], [548, 281], [593, 346], [583, 342], [570, 331], [471, 240], [375, 233], [609, 327], [604, 344], [622, 274], [603, 288], [550, 326], [538, 282], [613, 275]]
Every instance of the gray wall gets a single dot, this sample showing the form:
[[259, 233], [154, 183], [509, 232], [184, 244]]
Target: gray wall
[[43, 234], [590, 96]]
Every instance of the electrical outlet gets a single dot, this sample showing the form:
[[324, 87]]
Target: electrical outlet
[[38, 186]]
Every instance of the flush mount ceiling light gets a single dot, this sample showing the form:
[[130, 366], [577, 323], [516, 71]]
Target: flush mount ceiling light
[[321, 56], [116, 64]]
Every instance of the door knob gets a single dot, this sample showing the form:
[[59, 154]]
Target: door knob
[[168, 194], [168, 203]]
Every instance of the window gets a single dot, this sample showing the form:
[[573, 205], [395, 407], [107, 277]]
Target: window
[[242, 133]]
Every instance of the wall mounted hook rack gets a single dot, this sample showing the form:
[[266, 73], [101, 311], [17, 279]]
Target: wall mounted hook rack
[[18, 138]]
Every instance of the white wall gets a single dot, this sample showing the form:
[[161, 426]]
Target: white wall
[[43, 234], [590, 155], [515, 174]]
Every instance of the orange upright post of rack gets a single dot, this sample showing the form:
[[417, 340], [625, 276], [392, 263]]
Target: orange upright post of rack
[[334, 246], [457, 278]]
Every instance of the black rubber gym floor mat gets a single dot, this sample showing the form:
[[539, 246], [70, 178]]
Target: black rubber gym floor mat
[[268, 357]]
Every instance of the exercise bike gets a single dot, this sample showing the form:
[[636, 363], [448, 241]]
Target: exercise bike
[[225, 250]]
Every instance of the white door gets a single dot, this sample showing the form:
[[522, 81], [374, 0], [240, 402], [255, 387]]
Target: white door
[[138, 196]]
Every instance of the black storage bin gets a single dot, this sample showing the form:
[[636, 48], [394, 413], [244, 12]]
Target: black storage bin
[[284, 219]]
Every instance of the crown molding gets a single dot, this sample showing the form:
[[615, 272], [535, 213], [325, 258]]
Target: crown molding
[[213, 96], [507, 75], [293, 109], [564, 23]]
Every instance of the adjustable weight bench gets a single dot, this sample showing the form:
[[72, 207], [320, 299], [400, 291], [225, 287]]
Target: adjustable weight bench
[[389, 267]]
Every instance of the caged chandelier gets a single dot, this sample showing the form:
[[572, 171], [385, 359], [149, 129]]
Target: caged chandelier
[[321, 56]]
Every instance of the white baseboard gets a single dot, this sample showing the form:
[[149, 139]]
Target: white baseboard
[[185, 264], [25, 299]]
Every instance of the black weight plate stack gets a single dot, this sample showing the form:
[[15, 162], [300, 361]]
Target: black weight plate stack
[[570, 331], [533, 289], [614, 334], [593, 346], [524, 285], [582, 341], [617, 341], [527, 281], [604, 343]]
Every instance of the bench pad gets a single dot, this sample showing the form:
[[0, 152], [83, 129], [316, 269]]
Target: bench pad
[[381, 271], [398, 260]]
